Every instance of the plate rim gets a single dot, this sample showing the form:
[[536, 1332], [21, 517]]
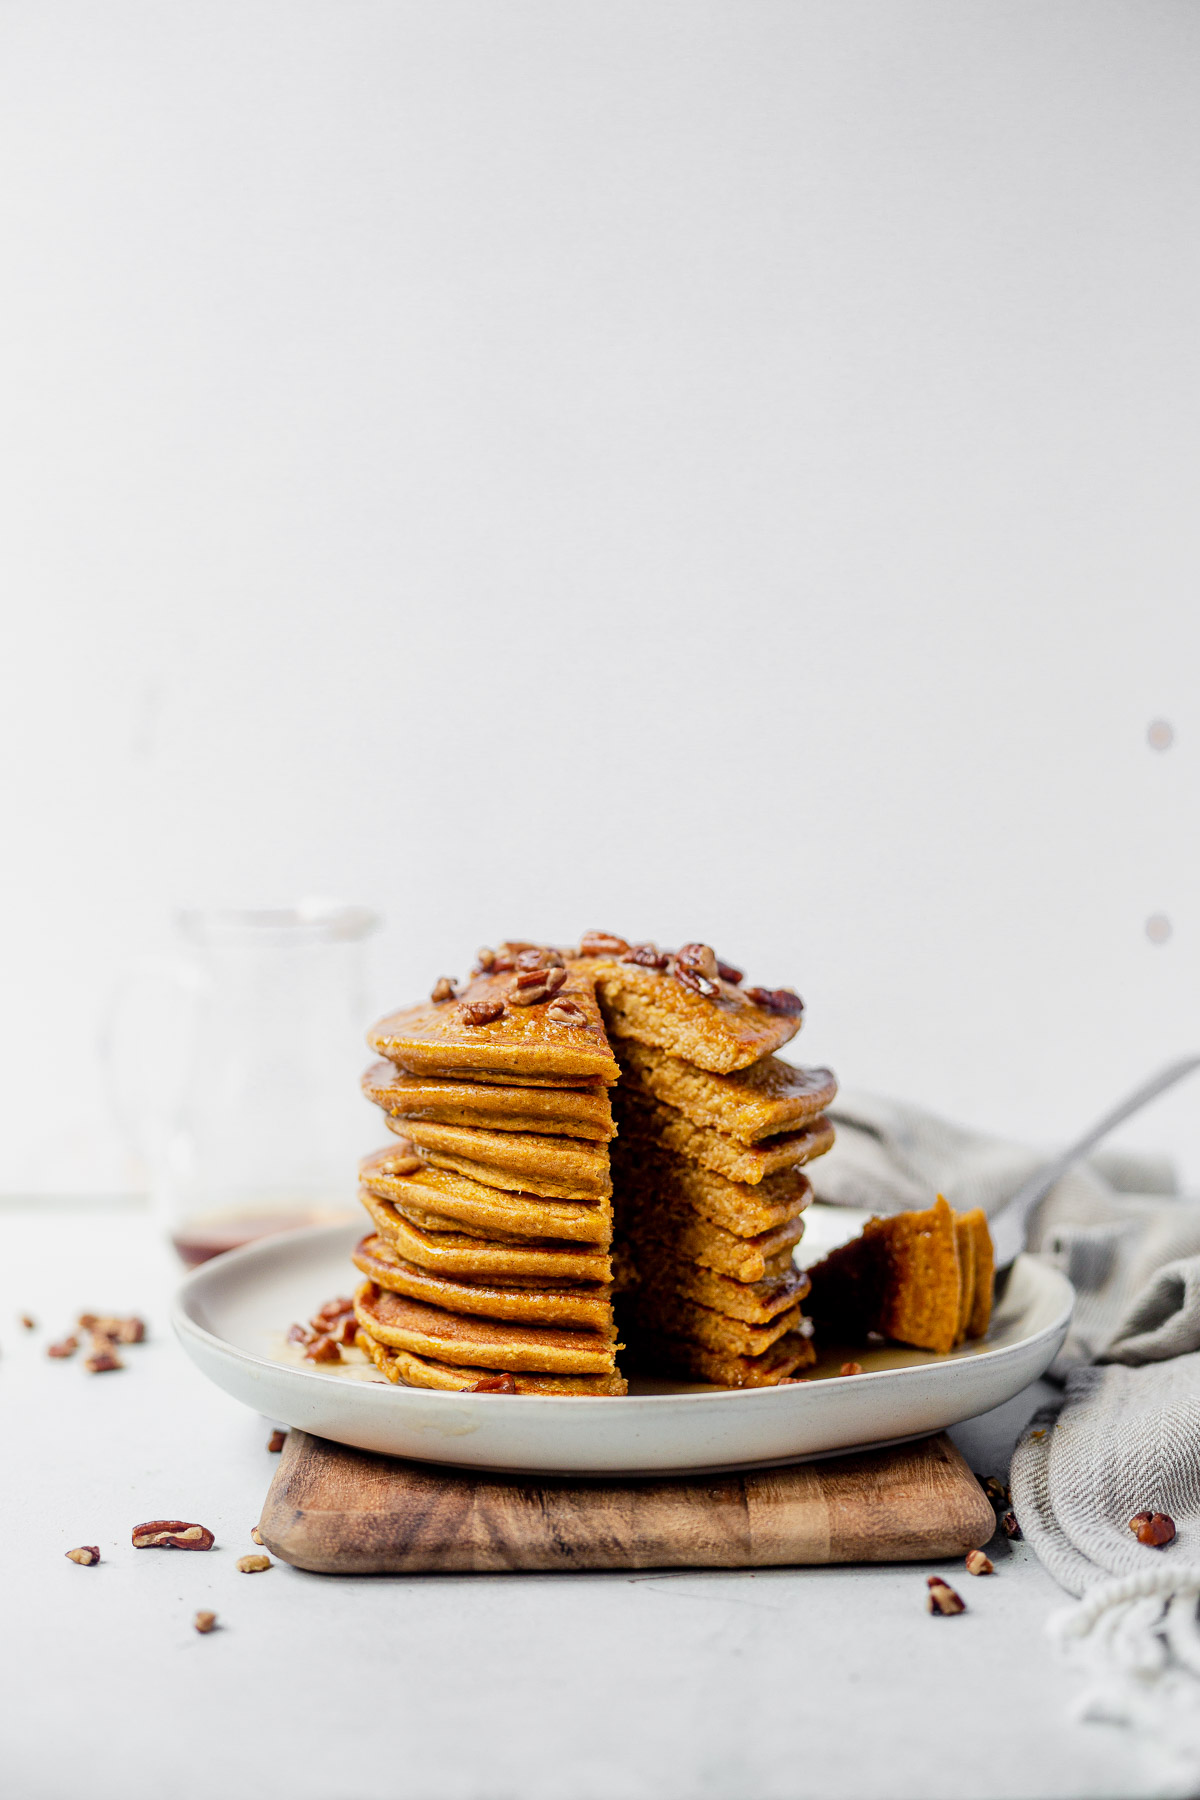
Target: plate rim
[[186, 1326]]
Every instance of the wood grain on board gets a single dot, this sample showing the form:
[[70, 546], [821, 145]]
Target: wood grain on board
[[341, 1511]]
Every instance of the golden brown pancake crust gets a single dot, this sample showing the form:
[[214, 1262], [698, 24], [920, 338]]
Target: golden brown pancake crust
[[582, 1112], [587, 1307], [486, 1210], [403, 1366], [522, 1161], [650, 1122], [432, 1331], [433, 1243], [639, 1169], [524, 1044]]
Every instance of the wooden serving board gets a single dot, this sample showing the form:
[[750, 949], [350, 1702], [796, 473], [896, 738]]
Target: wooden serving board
[[350, 1512]]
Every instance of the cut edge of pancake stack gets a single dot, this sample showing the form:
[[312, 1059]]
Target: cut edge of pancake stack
[[490, 1263]]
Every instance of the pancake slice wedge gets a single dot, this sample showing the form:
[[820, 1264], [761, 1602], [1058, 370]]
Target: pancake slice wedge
[[760, 1101]]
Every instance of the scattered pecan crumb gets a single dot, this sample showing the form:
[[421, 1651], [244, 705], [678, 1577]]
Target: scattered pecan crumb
[[276, 1441], [978, 1563], [1153, 1528], [28, 1321], [443, 989], [102, 1358], [116, 1330], [850, 1368], [298, 1334], [696, 967], [729, 973], [494, 1384], [204, 1622], [484, 958], [647, 956], [86, 1555], [323, 1349], [171, 1534], [65, 1347], [481, 1012], [779, 1000], [543, 957], [1009, 1526], [566, 1012], [942, 1597], [255, 1535], [996, 1492], [250, 1565], [602, 943]]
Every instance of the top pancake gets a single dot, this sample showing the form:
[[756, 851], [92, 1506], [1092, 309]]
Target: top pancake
[[720, 1032], [523, 1045]]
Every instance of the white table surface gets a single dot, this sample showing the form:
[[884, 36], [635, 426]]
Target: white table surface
[[768, 1685]]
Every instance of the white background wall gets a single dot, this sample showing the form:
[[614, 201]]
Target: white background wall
[[701, 470]]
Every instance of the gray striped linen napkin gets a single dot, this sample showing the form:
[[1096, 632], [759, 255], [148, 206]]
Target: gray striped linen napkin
[[1125, 1435]]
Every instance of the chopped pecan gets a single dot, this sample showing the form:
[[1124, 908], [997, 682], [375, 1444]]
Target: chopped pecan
[[333, 1309], [1153, 1528], [276, 1441], [171, 1534], [566, 1012], [729, 973], [348, 1333], [978, 1563], [86, 1555], [118, 1331], [484, 958], [851, 1368], [648, 956], [502, 963], [102, 1357], [494, 1384], [1009, 1526], [65, 1347], [602, 943], [779, 1000], [480, 1012], [541, 958], [28, 1322], [443, 989], [298, 1334], [696, 967], [942, 1597], [251, 1565], [323, 1349], [531, 986], [204, 1622], [996, 1492]]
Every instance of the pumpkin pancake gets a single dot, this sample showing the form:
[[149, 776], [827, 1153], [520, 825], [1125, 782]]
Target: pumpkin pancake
[[639, 1168], [582, 1112], [558, 1168], [549, 1304], [691, 1238], [719, 1031], [901, 1277], [715, 1330], [457, 1338], [488, 1210], [985, 1272], [422, 1371], [446, 1251], [760, 1101], [650, 1121], [679, 1356], [753, 1302], [529, 1044]]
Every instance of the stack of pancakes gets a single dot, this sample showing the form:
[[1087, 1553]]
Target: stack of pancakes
[[491, 1262]]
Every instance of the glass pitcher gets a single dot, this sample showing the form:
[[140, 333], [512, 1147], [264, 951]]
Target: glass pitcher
[[235, 1067]]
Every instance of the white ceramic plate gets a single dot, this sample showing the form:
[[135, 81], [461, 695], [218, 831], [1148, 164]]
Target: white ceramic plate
[[231, 1315]]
